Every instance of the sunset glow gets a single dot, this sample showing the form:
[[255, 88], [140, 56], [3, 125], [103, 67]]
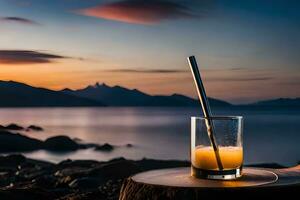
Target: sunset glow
[[143, 45]]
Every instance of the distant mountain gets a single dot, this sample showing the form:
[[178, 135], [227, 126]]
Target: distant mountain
[[120, 96], [278, 102], [14, 94]]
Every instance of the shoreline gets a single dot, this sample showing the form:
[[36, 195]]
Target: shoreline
[[25, 178]]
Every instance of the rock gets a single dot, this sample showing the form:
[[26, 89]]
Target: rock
[[27, 193], [5, 179], [63, 182], [20, 162], [129, 145], [78, 163], [86, 183], [149, 164], [111, 188], [15, 142], [60, 143], [90, 195], [45, 181], [38, 163], [104, 147], [34, 128], [77, 139], [14, 127], [115, 170], [73, 172], [11, 161], [33, 172]]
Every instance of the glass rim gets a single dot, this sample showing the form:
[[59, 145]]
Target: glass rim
[[220, 117]]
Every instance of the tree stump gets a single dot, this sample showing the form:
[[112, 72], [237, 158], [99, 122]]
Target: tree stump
[[176, 183]]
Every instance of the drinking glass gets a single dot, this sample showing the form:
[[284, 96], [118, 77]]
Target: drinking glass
[[227, 132]]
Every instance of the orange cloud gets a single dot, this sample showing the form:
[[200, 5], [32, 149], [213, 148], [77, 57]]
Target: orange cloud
[[139, 11]]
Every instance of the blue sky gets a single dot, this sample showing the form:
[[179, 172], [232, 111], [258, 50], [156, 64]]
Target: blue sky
[[247, 50]]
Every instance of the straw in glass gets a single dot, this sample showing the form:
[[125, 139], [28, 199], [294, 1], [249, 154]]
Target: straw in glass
[[205, 107]]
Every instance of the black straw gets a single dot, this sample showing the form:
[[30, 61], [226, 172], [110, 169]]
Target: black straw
[[205, 107]]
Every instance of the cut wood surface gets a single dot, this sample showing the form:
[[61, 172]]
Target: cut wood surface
[[177, 183]]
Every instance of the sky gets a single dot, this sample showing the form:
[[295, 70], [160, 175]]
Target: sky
[[246, 50]]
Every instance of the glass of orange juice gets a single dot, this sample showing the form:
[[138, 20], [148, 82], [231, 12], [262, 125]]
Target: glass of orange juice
[[225, 160]]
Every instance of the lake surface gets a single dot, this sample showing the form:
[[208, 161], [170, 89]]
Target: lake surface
[[161, 133]]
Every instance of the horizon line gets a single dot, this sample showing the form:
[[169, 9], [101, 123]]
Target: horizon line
[[111, 86]]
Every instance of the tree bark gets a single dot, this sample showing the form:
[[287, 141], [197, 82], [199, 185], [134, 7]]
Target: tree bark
[[175, 184]]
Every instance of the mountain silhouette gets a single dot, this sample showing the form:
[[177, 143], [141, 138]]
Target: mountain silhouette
[[279, 102], [14, 94], [120, 96]]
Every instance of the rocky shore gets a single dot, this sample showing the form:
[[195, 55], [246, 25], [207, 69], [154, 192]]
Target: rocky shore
[[11, 141], [24, 178]]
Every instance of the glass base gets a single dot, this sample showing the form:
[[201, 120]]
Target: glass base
[[216, 175]]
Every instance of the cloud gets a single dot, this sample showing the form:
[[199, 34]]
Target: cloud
[[147, 71], [139, 11], [18, 20], [27, 57]]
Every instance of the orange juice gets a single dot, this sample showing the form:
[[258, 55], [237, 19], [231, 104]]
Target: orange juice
[[203, 157]]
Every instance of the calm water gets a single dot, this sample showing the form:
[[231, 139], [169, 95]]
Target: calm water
[[161, 133]]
